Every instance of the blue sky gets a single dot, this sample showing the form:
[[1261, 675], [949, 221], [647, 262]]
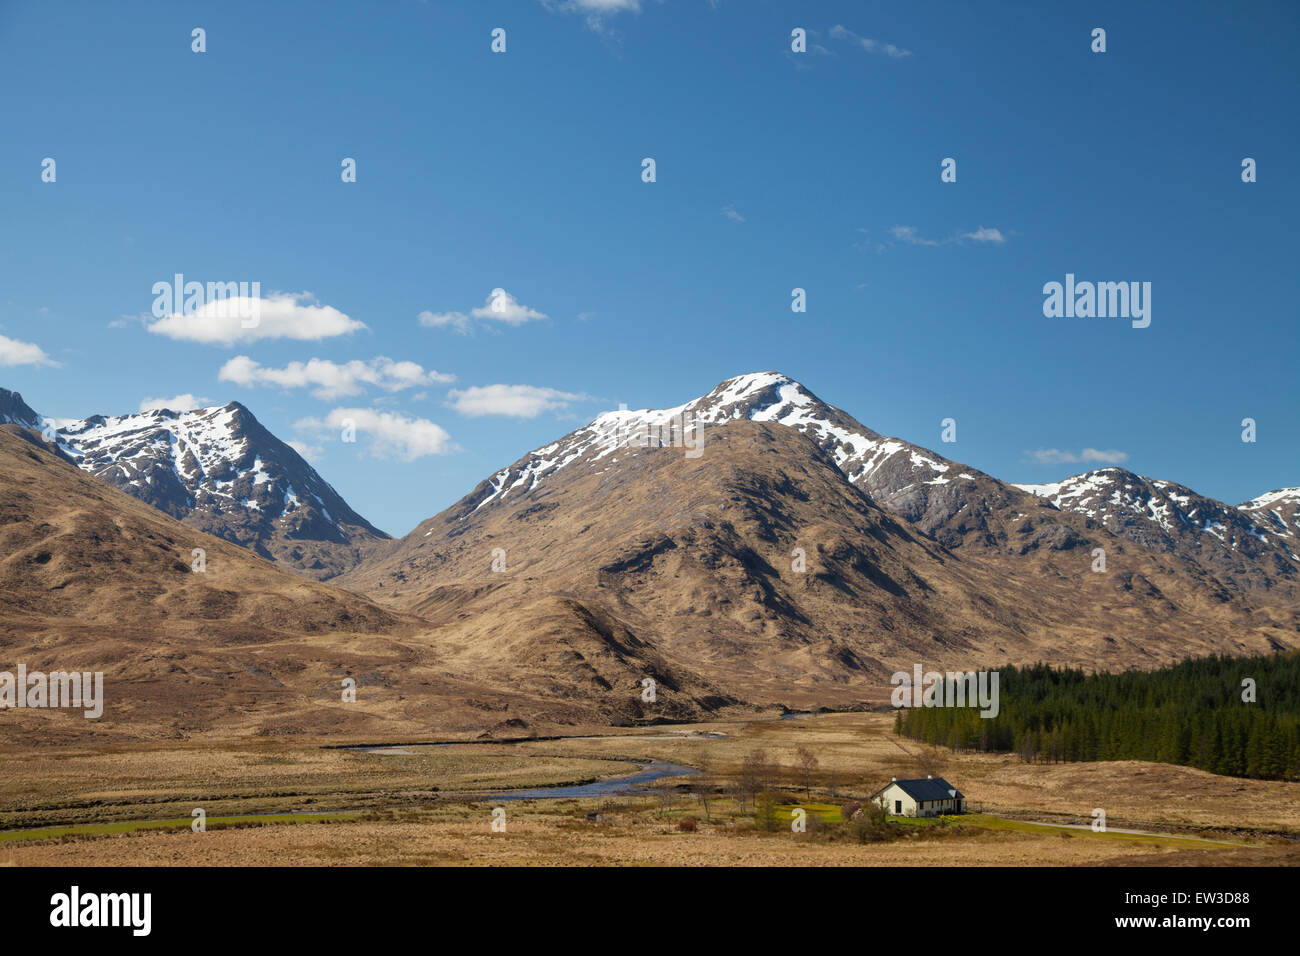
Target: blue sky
[[522, 171]]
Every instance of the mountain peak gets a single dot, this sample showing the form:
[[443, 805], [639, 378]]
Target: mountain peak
[[752, 382], [165, 412], [877, 465], [14, 411], [762, 396], [220, 470]]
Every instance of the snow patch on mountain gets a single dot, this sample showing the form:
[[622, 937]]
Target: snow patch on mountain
[[757, 396], [1280, 496], [205, 449], [1113, 496]]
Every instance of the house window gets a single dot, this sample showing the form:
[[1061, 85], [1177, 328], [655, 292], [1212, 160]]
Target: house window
[[898, 808]]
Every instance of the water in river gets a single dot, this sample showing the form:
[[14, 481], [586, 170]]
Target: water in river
[[612, 787]]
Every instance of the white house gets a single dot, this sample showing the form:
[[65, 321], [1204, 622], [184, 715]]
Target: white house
[[919, 798]]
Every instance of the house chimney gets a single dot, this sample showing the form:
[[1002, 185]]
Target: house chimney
[[929, 776], [892, 779]]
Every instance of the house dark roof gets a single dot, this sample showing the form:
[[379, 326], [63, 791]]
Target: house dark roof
[[929, 788]]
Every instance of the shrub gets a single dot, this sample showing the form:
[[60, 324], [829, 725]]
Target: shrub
[[871, 825], [687, 825]]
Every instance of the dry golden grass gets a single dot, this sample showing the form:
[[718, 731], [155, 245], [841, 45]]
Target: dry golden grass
[[70, 786], [858, 753], [414, 812], [544, 842]]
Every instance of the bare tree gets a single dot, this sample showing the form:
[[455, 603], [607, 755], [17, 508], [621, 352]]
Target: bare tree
[[772, 773], [702, 783], [807, 763], [665, 791], [753, 774]]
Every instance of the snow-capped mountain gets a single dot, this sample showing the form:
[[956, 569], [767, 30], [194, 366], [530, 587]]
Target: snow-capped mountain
[[953, 503], [1279, 512], [219, 470], [957, 505], [1168, 516], [761, 396], [757, 541]]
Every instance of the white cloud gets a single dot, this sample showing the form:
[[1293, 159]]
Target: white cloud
[[499, 306], [280, 315], [729, 211], [911, 236], [1055, 456], [871, 46], [329, 380], [864, 244], [515, 401], [437, 320], [177, 403], [596, 11], [14, 352], [385, 434], [597, 6], [984, 235]]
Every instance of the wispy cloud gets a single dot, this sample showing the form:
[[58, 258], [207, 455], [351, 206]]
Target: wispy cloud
[[177, 403], [909, 235], [383, 434], [500, 306], [871, 46], [1092, 456], [595, 12], [14, 352], [445, 320], [801, 62], [281, 315], [513, 401], [729, 210], [912, 236], [864, 244], [330, 380], [984, 234]]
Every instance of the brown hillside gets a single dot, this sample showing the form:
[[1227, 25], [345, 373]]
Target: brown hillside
[[692, 557]]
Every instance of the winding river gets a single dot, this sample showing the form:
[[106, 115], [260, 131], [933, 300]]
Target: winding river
[[624, 785]]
